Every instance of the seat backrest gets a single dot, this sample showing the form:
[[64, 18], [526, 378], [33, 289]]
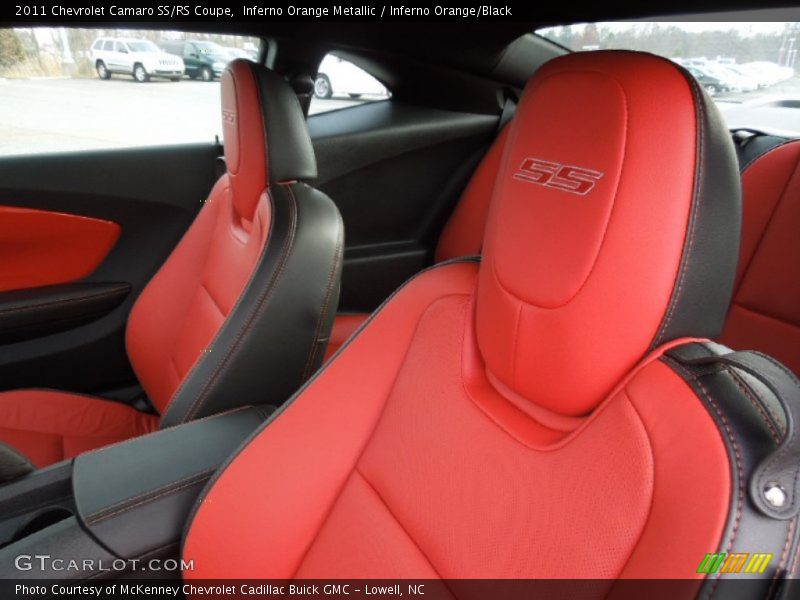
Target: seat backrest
[[765, 312], [526, 421], [463, 233], [241, 310]]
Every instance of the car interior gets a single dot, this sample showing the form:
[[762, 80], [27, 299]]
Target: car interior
[[535, 315]]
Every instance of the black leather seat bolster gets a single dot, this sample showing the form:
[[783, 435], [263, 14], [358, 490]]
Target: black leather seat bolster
[[750, 422], [281, 326]]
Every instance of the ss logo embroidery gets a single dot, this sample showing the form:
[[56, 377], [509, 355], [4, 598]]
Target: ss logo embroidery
[[568, 178]]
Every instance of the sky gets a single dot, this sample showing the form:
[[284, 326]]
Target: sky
[[749, 26], [746, 27]]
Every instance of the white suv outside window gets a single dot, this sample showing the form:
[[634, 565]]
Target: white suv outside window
[[140, 58]]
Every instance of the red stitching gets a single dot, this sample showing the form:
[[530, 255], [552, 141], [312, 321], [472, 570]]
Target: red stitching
[[693, 215], [784, 555], [45, 305], [331, 281], [789, 441], [738, 459], [149, 496], [288, 244], [182, 380], [794, 564], [756, 403]]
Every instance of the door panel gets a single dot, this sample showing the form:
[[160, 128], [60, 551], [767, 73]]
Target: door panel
[[190, 59], [152, 194], [115, 59], [42, 311], [39, 247], [395, 172], [124, 57]]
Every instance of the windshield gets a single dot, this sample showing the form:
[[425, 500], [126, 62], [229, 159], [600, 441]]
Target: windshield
[[142, 46], [749, 68]]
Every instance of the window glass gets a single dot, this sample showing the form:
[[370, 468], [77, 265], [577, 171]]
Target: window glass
[[62, 91], [208, 48], [341, 84], [142, 46], [749, 68]]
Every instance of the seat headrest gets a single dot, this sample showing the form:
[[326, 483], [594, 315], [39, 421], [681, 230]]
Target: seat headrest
[[614, 227], [265, 133]]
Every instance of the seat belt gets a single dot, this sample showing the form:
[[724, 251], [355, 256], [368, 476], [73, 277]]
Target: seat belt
[[509, 109]]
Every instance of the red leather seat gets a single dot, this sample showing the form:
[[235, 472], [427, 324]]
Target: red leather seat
[[765, 313], [461, 236], [240, 311], [463, 233], [526, 421]]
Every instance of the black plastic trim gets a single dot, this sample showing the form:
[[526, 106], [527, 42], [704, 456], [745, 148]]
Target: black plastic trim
[[153, 194], [32, 313], [738, 403]]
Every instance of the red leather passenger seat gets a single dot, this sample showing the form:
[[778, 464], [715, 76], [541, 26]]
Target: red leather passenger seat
[[240, 311], [526, 421], [765, 313]]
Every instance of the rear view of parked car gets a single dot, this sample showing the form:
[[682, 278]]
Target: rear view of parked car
[[712, 84], [204, 60], [726, 75], [725, 72], [768, 73], [141, 59]]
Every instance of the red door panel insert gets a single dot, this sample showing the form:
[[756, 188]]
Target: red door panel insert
[[39, 247]]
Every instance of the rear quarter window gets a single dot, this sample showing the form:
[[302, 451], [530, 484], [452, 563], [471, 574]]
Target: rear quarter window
[[341, 84], [749, 68]]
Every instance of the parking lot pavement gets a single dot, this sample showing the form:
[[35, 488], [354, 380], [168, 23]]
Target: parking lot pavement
[[52, 115], [775, 109]]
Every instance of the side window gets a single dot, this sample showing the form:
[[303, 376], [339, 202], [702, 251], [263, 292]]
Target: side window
[[62, 91], [341, 84], [120, 47], [189, 50]]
